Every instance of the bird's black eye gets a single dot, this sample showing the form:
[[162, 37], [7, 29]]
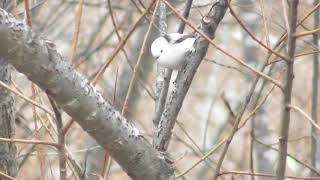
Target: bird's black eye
[[161, 51]]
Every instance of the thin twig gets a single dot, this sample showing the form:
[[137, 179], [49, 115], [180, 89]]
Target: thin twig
[[315, 88], [120, 45], [7, 176], [24, 141], [225, 66], [73, 49], [306, 33], [61, 141], [264, 175], [202, 158], [253, 36], [137, 66], [222, 50], [311, 168], [314, 124], [27, 99]]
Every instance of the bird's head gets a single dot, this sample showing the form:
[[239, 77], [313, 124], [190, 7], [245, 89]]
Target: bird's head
[[158, 46]]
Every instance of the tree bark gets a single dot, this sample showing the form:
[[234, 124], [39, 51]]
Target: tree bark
[[38, 59], [184, 78], [8, 164], [284, 131]]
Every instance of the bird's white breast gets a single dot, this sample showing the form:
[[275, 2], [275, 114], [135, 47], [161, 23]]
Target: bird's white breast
[[173, 55]]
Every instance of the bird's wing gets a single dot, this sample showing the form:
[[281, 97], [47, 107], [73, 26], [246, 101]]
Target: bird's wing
[[174, 38], [184, 37]]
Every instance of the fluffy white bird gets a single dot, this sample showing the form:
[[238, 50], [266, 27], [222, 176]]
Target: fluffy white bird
[[171, 50]]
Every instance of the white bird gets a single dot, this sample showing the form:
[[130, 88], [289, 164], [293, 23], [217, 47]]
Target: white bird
[[171, 50]]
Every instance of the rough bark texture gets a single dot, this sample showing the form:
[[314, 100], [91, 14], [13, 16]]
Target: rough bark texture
[[163, 75], [38, 59], [184, 79], [8, 164]]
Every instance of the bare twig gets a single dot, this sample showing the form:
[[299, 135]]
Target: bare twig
[[253, 36], [311, 168], [34, 91], [264, 175], [313, 123], [27, 13], [24, 141], [61, 141], [202, 158], [7, 176], [224, 51], [120, 45], [315, 89], [306, 33], [73, 48], [137, 66], [27, 99], [235, 128]]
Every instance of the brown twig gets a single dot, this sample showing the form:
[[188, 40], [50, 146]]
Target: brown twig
[[7, 176], [253, 36], [202, 158], [61, 141], [315, 31], [27, 13], [120, 45], [264, 175], [222, 50], [73, 49], [225, 66], [36, 104], [137, 66], [314, 124], [34, 92], [24, 141], [311, 168]]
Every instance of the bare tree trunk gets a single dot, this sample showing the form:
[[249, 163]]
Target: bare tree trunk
[[8, 164]]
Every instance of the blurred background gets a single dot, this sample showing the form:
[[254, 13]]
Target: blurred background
[[217, 93]]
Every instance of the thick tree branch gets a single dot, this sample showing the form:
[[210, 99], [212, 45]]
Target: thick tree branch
[[163, 78], [38, 59], [284, 131], [8, 162], [164, 75], [185, 76]]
